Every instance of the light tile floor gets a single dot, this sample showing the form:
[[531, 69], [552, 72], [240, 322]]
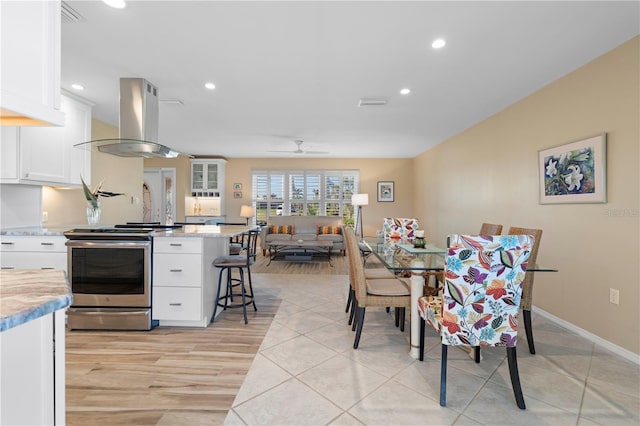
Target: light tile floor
[[307, 372]]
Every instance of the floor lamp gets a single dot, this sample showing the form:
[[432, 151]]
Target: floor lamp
[[247, 212], [359, 200]]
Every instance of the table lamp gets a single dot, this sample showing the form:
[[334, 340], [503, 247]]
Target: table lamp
[[359, 200], [247, 212]]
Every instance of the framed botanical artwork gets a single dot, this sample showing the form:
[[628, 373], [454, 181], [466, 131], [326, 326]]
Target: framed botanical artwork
[[237, 194], [385, 191], [237, 187], [574, 172]]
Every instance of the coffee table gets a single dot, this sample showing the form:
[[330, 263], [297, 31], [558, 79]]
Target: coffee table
[[299, 250]]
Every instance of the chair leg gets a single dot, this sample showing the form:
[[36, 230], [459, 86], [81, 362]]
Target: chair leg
[[349, 300], [515, 377], [422, 327], [352, 310], [253, 299], [397, 311], [215, 306], [528, 330], [476, 354], [242, 292], [355, 308], [403, 311], [360, 321], [443, 377]]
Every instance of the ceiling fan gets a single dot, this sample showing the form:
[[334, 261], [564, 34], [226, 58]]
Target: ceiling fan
[[299, 149]]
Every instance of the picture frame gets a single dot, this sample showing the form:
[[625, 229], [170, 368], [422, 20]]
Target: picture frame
[[237, 194], [574, 172], [237, 187], [386, 191]]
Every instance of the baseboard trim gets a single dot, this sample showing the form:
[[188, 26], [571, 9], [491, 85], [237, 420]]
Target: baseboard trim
[[625, 353]]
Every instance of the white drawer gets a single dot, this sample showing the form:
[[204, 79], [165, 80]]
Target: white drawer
[[184, 270], [33, 243], [32, 260], [176, 303], [177, 245]]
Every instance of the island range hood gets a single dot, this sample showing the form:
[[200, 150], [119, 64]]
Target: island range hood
[[139, 114]]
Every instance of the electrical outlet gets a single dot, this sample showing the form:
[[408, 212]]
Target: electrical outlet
[[45, 216], [614, 296]]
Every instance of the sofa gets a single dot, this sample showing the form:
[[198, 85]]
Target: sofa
[[308, 228]]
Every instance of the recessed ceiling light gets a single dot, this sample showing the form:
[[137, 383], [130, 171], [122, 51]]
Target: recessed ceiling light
[[210, 86], [438, 43], [405, 91], [77, 86], [118, 4]]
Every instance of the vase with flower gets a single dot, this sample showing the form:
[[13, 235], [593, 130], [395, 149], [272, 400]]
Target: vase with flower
[[94, 212]]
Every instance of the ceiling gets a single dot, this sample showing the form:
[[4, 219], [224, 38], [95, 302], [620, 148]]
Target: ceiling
[[296, 70]]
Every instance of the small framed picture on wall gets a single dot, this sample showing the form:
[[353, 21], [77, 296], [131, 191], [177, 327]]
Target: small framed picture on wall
[[237, 187], [385, 191], [237, 194]]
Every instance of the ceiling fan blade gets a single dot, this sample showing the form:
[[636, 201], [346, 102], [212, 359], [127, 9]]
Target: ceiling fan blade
[[315, 152]]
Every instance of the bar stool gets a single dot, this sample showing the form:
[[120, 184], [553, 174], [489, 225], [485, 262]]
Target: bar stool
[[241, 262]]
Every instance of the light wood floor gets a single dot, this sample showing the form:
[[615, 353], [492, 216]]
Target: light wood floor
[[170, 375]]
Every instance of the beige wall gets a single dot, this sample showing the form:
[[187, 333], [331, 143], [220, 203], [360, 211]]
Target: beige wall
[[489, 174], [371, 171], [67, 207]]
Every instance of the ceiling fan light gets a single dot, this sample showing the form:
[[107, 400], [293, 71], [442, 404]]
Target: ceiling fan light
[[438, 43], [116, 4]]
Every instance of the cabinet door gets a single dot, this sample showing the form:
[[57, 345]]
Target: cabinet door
[[47, 154], [10, 150], [30, 56], [212, 176], [197, 176]]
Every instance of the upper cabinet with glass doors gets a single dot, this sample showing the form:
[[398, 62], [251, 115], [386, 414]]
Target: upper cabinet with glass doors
[[207, 178]]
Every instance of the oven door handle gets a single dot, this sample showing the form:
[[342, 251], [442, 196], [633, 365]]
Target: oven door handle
[[107, 244]]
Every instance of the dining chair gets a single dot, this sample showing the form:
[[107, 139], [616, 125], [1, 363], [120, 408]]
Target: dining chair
[[227, 264], [399, 227], [527, 285], [479, 307], [490, 229], [382, 292]]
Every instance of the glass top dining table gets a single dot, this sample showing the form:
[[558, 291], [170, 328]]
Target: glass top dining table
[[400, 255]]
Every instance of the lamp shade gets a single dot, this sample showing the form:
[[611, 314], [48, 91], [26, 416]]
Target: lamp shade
[[360, 199], [246, 211]]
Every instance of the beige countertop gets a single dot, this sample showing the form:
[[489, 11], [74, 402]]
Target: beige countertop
[[28, 294]]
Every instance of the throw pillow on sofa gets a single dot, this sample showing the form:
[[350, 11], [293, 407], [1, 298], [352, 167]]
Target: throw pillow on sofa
[[282, 229]]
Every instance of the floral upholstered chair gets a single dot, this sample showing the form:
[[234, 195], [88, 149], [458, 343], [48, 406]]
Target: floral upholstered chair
[[479, 307], [399, 227]]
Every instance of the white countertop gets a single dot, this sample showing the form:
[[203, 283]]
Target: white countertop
[[209, 231]]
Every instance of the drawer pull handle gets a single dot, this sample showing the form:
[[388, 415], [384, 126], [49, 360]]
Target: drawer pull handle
[[46, 244], [47, 267], [7, 243], [7, 267], [175, 304], [175, 270], [175, 244]]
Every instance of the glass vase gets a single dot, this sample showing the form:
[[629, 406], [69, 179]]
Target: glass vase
[[93, 214]]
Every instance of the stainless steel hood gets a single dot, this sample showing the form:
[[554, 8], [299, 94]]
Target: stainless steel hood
[[139, 114]]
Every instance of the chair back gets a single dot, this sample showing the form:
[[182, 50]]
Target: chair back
[[249, 245], [527, 285], [356, 266], [483, 286], [399, 227], [490, 229]]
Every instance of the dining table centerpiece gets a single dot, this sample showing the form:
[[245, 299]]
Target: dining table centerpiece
[[93, 201]]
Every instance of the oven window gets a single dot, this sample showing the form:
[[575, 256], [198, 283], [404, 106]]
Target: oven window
[[108, 270]]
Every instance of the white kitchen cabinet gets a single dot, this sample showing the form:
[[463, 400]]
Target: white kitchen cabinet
[[183, 279], [33, 252], [30, 55], [32, 383], [207, 178], [46, 155]]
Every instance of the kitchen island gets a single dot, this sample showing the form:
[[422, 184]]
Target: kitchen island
[[32, 346], [184, 278]]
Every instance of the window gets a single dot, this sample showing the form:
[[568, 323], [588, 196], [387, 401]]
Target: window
[[304, 193]]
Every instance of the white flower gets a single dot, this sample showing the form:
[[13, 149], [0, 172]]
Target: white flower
[[574, 177], [551, 168]]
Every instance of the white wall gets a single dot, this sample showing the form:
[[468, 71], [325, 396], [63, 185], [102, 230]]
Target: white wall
[[20, 205]]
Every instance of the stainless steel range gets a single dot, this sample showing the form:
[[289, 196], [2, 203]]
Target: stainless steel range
[[110, 274]]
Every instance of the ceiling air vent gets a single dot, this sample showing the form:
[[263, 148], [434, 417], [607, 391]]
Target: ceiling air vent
[[69, 15], [372, 102]]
